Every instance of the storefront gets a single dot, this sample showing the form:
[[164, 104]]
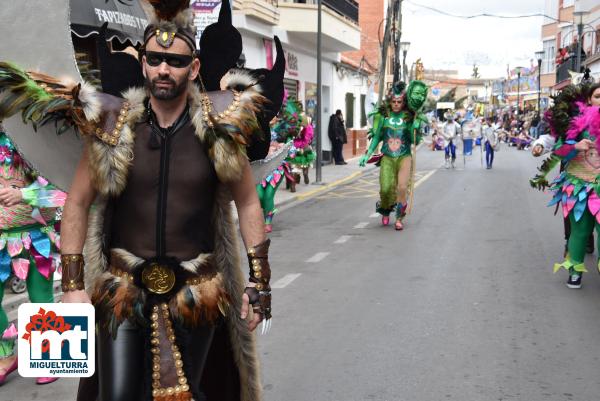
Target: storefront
[[126, 22]]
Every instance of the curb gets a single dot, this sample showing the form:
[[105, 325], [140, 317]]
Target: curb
[[330, 187], [325, 188]]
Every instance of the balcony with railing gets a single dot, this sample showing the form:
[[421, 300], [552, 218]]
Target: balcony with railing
[[339, 23], [345, 8], [562, 70], [569, 65]]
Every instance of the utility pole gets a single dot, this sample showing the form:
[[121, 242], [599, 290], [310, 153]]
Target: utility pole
[[319, 99], [397, 38], [384, 49]]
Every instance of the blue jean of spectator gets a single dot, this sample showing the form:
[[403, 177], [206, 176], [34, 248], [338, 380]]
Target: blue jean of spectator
[[450, 149], [489, 154]]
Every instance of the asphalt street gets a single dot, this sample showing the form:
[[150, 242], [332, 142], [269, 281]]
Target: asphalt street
[[461, 305]]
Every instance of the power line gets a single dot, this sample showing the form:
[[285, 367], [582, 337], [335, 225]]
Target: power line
[[488, 15]]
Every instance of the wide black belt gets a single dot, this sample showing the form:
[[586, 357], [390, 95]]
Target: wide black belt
[[160, 276]]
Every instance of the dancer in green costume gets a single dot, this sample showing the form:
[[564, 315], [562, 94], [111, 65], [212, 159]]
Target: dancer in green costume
[[29, 241], [396, 125], [293, 126]]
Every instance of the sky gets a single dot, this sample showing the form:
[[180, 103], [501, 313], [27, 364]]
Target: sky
[[444, 42]]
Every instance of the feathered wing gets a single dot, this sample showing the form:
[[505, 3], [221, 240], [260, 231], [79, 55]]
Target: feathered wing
[[75, 110], [39, 98]]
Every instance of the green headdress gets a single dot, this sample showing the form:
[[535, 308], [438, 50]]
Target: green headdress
[[398, 89], [290, 121]]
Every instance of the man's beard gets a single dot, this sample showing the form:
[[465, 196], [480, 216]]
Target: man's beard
[[169, 93]]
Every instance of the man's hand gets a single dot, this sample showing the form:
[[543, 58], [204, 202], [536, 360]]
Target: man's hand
[[537, 150], [10, 196], [256, 317], [79, 296], [584, 144], [363, 160]]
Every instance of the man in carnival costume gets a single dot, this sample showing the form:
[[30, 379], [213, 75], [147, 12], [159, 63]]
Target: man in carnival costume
[[29, 241], [174, 313], [575, 127], [398, 128], [450, 132]]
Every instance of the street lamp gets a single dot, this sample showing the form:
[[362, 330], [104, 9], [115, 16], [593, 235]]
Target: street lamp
[[539, 55], [319, 108], [404, 46], [579, 14], [518, 69]]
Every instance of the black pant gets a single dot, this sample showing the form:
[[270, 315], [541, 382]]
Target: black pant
[[124, 367], [336, 149]]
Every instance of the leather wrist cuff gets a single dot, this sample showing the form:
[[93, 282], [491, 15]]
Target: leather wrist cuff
[[72, 272], [260, 270], [260, 301], [260, 273]]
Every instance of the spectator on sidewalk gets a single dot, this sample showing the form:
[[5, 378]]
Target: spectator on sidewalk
[[337, 135]]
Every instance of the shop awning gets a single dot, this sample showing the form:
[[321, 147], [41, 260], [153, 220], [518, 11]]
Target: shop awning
[[126, 19]]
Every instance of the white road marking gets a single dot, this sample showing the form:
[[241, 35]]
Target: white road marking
[[316, 258], [285, 280], [343, 239], [374, 215], [362, 225], [424, 178]]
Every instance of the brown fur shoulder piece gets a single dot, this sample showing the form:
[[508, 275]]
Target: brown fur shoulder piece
[[226, 141], [110, 164]]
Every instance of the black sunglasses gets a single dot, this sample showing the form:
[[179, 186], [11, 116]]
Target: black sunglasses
[[154, 59]]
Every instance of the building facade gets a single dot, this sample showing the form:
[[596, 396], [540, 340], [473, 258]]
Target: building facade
[[295, 23], [560, 37]]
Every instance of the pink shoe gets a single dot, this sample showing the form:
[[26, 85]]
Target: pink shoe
[[399, 226], [385, 220], [10, 369], [268, 228], [45, 380]]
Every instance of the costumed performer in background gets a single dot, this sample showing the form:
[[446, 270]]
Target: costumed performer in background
[[398, 128], [29, 241]]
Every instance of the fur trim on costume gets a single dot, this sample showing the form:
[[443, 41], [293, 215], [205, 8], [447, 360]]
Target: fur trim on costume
[[227, 141], [88, 96], [194, 265], [117, 298], [93, 250], [229, 277], [109, 165], [242, 340], [239, 80]]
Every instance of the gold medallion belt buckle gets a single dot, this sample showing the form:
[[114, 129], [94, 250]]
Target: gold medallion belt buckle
[[158, 279]]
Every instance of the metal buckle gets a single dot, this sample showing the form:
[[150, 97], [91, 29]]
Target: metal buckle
[[158, 279]]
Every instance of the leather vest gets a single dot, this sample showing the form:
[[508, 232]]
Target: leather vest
[[167, 206]]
